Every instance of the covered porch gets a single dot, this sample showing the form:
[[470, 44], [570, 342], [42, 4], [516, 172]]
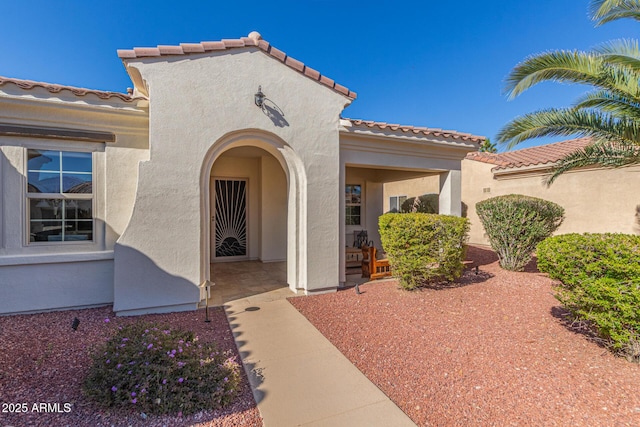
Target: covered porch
[[374, 155]]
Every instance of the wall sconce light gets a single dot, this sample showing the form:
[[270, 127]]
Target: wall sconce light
[[259, 97]]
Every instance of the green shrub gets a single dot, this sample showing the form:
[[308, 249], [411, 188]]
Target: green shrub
[[573, 258], [600, 283], [427, 203], [515, 224], [159, 370], [422, 248]]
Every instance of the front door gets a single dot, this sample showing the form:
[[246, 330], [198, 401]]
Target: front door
[[229, 231]]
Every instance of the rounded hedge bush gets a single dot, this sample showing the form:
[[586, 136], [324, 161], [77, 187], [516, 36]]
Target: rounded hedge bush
[[600, 283], [515, 224], [159, 370], [423, 248]]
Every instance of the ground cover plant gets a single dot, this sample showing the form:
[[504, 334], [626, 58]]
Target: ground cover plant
[[423, 249], [161, 370], [515, 224], [599, 278], [44, 360]]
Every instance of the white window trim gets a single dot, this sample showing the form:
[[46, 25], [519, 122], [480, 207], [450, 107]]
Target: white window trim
[[97, 196], [362, 205], [397, 202]]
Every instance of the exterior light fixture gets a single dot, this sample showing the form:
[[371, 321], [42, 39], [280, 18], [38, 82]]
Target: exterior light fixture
[[259, 97]]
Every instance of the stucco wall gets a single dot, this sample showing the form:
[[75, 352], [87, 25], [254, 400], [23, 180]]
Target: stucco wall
[[274, 211], [200, 105], [595, 200], [411, 188], [54, 275]]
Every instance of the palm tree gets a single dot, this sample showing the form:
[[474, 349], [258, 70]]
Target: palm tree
[[609, 114]]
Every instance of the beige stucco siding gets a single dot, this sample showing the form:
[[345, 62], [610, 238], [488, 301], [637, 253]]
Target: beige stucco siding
[[595, 200], [200, 106], [411, 188], [55, 275]]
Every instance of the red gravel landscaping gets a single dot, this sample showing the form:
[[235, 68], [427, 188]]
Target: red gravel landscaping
[[493, 350], [43, 360]]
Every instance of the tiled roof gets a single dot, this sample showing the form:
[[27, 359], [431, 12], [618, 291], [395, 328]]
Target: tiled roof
[[253, 40], [534, 156], [54, 88], [419, 130]]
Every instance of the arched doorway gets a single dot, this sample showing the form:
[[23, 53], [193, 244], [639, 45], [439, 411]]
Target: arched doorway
[[251, 214]]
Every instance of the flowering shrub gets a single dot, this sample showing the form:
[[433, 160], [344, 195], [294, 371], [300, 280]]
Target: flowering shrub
[[159, 370]]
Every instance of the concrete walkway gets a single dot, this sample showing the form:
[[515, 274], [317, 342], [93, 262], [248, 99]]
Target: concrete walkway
[[297, 376]]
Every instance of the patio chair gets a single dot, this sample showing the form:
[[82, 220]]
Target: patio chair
[[372, 267]]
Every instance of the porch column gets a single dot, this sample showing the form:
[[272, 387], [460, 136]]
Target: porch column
[[450, 193]]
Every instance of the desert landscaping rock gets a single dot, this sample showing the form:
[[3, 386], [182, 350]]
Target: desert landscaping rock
[[493, 350]]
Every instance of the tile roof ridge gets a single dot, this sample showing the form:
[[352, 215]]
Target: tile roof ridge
[[55, 88], [418, 130], [254, 39], [531, 156]]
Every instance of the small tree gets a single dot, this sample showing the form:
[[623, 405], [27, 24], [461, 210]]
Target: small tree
[[488, 147], [515, 224], [427, 203]]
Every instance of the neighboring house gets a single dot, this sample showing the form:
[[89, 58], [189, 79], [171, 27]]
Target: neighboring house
[[596, 200], [395, 193], [223, 151]]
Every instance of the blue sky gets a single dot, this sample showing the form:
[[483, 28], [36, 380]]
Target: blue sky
[[424, 63]]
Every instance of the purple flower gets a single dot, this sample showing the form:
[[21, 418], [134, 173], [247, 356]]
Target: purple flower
[[134, 401], [108, 361], [106, 320], [173, 352], [119, 366], [149, 346], [133, 394], [144, 390], [164, 381], [125, 339], [146, 331], [114, 388], [180, 380], [181, 364], [129, 372]]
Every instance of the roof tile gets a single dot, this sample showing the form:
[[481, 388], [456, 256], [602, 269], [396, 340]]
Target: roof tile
[[146, 51], [295, 64], [213, 46], [254, 39], [419, 130], [534, 156], [170, 50], [192, 47], [54, 88]]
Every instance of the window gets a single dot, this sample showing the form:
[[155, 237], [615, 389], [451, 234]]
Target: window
[[59, 196], [353, 202], [395, 203]]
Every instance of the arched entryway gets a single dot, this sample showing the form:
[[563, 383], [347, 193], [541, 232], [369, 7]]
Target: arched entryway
[[252, 195]]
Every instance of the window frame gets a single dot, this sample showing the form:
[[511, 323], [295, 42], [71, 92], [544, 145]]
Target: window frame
[[398, 202], [27, 196], [351, 204]]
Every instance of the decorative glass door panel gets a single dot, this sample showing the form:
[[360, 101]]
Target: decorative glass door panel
[[230, 218]]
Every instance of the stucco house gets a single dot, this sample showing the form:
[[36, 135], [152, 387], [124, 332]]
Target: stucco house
[[595, 199], [222, 151]]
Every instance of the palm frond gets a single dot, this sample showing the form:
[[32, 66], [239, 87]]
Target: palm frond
[[618, 106], [608, 154], [623, 52], [603, 11], [560, 66], [569, 122]]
